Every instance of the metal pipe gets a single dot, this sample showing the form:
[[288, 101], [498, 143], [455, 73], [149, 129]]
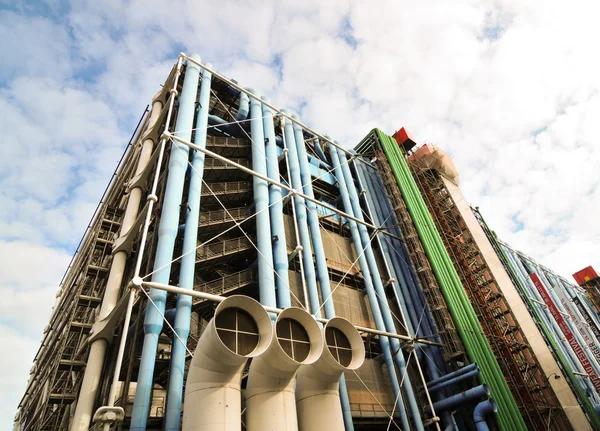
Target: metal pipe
[[380, 294], [281, 112], [167, 233], [301, 217], [137, 281], [377, 317], [278, 184], [213, 398], [462, 398], [280, 258], [188, 262], [481, 410], [317, 397], [266, 281], [313, 221], [95, 362], [454, 374], [243, 107], [270, 394], [455, 380]]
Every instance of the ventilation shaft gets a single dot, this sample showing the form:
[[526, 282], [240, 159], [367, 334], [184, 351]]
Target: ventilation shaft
[[240, 329]]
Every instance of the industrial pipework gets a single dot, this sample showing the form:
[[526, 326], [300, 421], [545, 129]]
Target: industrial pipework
[[270, 395], [240, 329], [167, 233], [317, 396]]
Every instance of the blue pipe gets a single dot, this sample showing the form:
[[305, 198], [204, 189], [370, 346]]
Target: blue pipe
[[379, 324], [455, 380], [301, 218], [232, 129], [319, 251], [243, 108], [280, 258], [401, 287], [380, 295], [462, 398], [481, 410], [313, 223], [454, 374], [188, 262], [167, 232], [266, 282], [319, 150]]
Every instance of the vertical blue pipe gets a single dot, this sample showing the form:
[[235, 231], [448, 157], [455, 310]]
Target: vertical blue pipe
[[307, 256], [266, 282], [167, 232], [379, 324], [280, 258], [320, 260], [432, 357], [313, 223], [381, 296], [188, 262]]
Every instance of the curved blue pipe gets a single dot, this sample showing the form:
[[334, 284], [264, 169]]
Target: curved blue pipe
[[466, 376], [464, 397], [457, 373], [167, 232], [379, 323], [188, 262], [280, 258], [380, 295], [266, 281], [481, 410], [234, 130], [243, 108]]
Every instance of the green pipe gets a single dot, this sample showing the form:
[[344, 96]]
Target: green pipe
[[566, 368], [468, 327]]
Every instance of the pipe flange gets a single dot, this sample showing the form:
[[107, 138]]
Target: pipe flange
[[109, 415]]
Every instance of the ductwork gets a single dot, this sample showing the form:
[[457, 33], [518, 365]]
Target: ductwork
[[454, 374], [481, 410], [270, 397], [465, 376], [240, 329], [464, 397], [317, 396]]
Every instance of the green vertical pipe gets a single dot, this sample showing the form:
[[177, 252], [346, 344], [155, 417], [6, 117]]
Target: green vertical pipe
[[566, 368], [468, 326]]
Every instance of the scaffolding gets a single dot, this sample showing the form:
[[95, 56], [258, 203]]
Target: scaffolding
[[535, 397]]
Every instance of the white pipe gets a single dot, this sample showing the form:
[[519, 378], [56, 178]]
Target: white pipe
[[213, 398], [317, 385], [270, 396]]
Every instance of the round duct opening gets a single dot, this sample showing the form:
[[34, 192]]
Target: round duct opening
[[293, 339], [237, 330], [338, 345]]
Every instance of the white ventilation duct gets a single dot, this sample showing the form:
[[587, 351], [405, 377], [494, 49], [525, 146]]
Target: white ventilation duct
[[270, 397], [240, 329], [317, 385]]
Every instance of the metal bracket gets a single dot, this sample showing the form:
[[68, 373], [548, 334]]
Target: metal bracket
[[140, 179], [125, 242], [104, 328], [294, 253], [109, 415]]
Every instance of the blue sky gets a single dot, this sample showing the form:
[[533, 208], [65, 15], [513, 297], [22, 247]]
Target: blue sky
[[510, 89]]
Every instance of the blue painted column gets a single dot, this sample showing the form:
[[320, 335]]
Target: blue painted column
[[280, 257], [188, 262], [301, 219], [380, 292], [374, 303], [266, 281], [167, 232]]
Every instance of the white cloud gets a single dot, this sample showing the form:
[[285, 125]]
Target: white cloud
[[478, 78]]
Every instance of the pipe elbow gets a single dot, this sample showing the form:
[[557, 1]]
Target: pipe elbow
[[481, 410], [195, 57]]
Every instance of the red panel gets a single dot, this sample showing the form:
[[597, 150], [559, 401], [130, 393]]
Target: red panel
[[405, 138], [584, 275]]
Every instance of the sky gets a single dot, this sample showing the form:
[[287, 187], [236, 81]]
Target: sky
[[509, 89]]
